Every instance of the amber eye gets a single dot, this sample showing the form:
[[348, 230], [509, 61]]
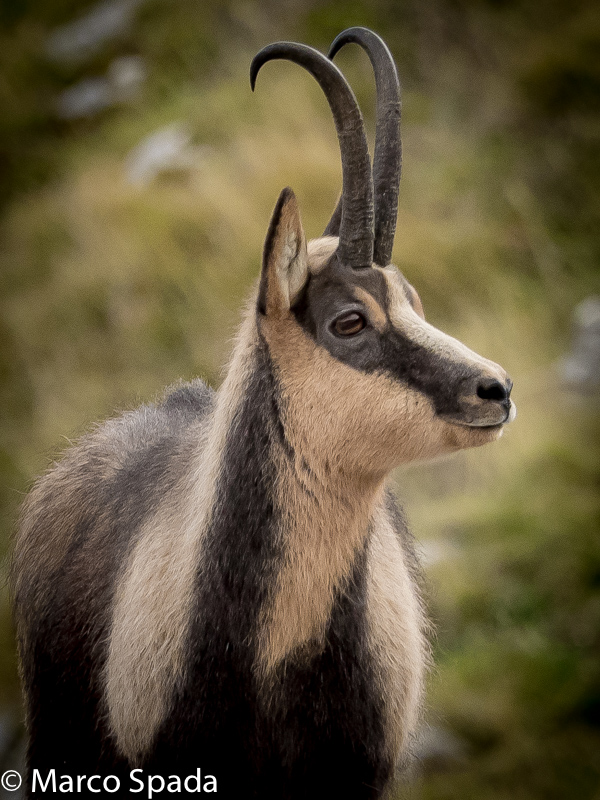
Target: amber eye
[[349, 324]]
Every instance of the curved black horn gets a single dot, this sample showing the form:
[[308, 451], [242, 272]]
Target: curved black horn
[[356, 225], [387, 161]]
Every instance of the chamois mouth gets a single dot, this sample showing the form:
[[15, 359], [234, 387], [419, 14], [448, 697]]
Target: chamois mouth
[[483, 424]]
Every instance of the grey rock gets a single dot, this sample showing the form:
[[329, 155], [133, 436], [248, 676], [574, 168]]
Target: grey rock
[[81, 39], [127, 75], [90, 96], [86, 98], [166, 150], [580, 368]]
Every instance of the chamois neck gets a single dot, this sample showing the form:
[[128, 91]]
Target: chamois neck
[[324, 528], [254, 404], [301, 523]]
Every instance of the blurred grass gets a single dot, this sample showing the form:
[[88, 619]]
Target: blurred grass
[[110, 291]]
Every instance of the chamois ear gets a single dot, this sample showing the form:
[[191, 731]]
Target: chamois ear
[[285, 260]]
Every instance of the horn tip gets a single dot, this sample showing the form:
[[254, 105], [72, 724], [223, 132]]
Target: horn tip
[[261, 58], [254, 68], [355, 34]]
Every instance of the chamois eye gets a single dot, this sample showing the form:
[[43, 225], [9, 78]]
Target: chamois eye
[[349, 324]]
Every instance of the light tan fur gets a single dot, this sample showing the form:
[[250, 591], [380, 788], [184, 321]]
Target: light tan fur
[[377, 315], [154, 596], [396, 632], [404, 317], [323, 527]]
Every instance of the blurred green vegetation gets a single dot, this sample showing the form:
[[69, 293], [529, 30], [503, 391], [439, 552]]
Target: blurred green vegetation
[[109, 291]]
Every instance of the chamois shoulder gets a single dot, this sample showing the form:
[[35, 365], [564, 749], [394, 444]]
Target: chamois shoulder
[[135, 438], [108, 472], [191, 399]]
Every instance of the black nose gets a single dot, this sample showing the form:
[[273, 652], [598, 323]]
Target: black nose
[[491, 389]]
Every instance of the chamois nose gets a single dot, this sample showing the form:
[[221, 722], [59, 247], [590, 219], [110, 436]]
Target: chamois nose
[[492, 389]]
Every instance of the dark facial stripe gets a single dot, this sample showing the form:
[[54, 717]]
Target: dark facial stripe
[[442, 380]]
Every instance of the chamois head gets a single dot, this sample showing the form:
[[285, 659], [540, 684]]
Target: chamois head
[[366, 382]]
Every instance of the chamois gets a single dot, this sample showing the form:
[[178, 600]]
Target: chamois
[[222, 581]]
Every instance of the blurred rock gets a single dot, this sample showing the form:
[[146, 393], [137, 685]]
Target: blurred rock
[[90, 96], [580, 368], [86, 98], [127, 74], [167, 150], [77, 41]]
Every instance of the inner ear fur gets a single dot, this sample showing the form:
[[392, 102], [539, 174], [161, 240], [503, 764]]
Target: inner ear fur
[[285, 260]]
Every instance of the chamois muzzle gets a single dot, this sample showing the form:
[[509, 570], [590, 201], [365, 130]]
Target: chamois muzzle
[[484, 402]]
